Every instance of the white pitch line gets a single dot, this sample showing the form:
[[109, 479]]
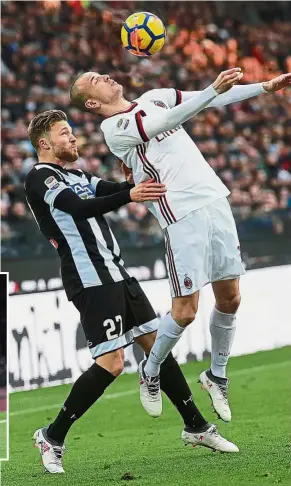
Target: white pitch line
[[133, 391]]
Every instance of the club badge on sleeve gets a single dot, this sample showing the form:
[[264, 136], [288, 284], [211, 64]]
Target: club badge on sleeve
[[122, 123], [52, 183]]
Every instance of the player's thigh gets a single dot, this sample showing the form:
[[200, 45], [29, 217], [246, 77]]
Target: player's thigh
[[226, 263], [139, 311], [227, 295], [112, 362], [187, 244], [146, 341], [103, 312]]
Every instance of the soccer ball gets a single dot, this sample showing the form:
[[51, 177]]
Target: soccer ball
[[143, 34]]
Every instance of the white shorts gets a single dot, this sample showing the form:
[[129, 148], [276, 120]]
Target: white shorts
[[203, 247]]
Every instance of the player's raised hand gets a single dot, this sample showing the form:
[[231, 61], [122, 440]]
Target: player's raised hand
[[227, 79], [277, 83], [147, 191]]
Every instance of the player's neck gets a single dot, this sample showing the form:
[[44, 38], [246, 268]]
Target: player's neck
[[52, 160], [120, 105]]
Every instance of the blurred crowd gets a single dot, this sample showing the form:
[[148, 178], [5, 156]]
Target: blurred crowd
[[248, 144]]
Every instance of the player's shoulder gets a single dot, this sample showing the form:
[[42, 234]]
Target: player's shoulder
[[77, 172], [83, 174], [161, 97], [115, 124], [42, 173]]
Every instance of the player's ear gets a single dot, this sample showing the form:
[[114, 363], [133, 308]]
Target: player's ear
[[92, 104], [43, 144]]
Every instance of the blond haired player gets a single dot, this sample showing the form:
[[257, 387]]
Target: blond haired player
[[201, 240]]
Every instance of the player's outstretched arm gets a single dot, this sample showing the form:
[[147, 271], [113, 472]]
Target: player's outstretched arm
[[72, 204], [240, 93], [46, 184], [107, 188], [150, 126]]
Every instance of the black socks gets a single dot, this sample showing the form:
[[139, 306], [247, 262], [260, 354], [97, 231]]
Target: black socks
[[174, 384], [84, 393]]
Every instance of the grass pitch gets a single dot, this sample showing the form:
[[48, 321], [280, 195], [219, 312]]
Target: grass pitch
[[116, 442]]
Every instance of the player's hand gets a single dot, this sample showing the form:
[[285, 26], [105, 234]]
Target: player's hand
[[227, 79], [147, 191], [277, 83], [127, 173]]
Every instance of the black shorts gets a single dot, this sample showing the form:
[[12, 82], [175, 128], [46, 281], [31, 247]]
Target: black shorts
[[113, 315]]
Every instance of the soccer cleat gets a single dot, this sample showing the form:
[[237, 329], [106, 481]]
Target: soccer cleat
[[209, 438], [51, 455], [218, 395], [150, 392]]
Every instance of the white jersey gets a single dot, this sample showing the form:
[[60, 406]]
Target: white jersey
[[170, 157]]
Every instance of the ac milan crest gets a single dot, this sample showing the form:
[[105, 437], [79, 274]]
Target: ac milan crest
[[188, 282]]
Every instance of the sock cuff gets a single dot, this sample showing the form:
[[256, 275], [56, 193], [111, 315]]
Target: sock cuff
[[223, 313], [222, 320], [98, 372]]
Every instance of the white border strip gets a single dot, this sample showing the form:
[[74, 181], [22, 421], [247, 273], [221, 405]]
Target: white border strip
[[7, 372]]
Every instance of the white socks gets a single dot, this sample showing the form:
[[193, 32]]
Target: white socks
[[222, 329], [169, 333]]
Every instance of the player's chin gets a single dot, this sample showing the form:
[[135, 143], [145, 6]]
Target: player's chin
[[72, 156]]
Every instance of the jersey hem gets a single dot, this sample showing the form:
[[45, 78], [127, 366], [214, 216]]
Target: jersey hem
[[196, 209]]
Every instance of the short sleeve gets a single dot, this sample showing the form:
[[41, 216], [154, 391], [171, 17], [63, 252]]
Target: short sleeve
[[170, 96], [45, 183], [124, 131]]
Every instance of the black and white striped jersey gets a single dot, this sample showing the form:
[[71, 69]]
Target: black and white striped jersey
[[88, 250]]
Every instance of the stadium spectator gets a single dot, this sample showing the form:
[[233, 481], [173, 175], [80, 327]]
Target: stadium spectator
[[248, 144]]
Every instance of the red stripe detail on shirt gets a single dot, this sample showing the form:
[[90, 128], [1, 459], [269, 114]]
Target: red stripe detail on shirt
[[149, 170], [133, 105], [163, 200], [178, 97], [167, 208], [140, 128]]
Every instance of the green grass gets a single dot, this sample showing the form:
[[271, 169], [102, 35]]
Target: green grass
[[116, 439], [3, 436]]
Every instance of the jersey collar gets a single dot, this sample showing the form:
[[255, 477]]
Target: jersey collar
[[57, 166], [133, 105]]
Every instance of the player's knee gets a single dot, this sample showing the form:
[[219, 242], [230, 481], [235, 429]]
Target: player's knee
[[117, 368], [112, 362], [184, 315], [229, 304]]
